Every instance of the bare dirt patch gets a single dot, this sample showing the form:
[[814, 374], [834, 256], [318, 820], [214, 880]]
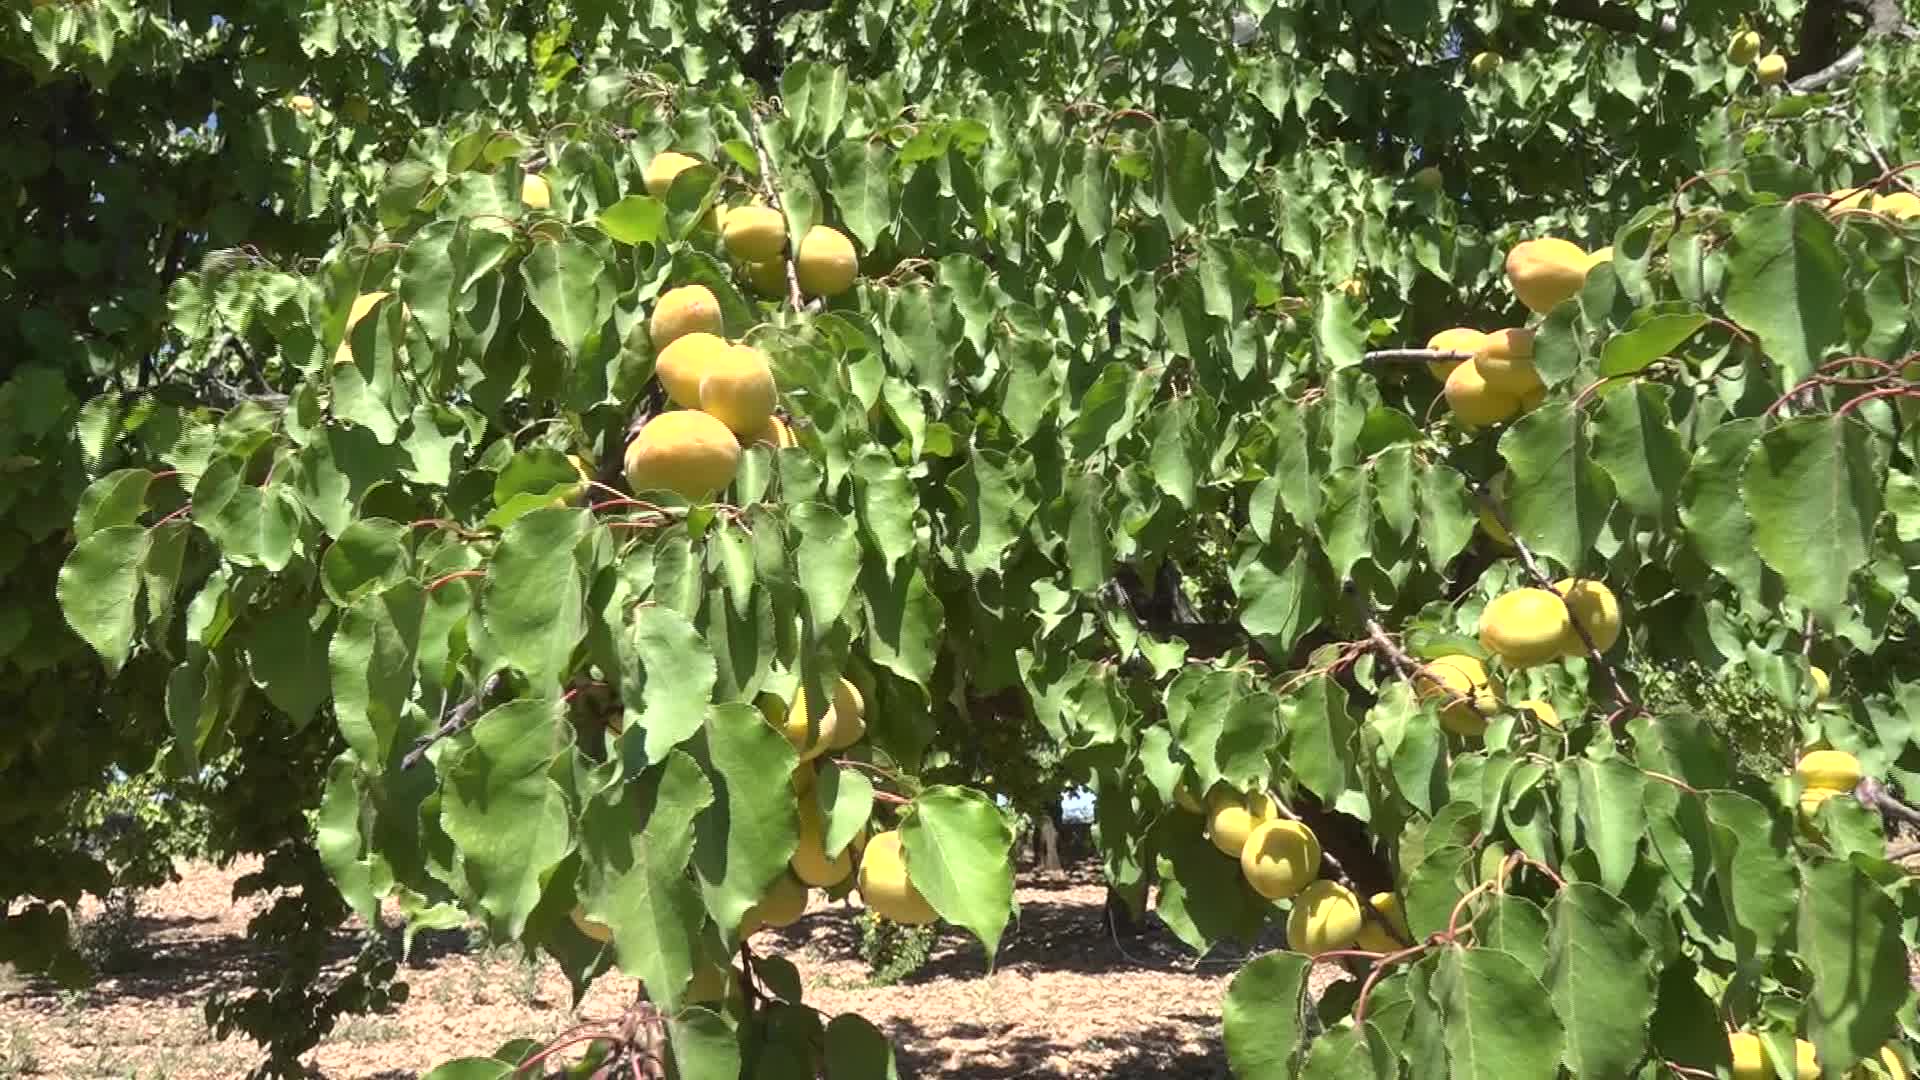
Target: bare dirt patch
[[1065, 1000]]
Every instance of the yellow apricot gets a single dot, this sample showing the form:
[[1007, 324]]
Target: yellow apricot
[[1900, 204], [1743, 48], [1505, 361], [598, 931], [754, 233], [784, 903], [1429, 178], [768, 278], [1325, 916], [776, 434], [795, 725], [850, 716], [1473, 402], [1810, 802], [685, 362], [301, 103], [1541, 711], [663, 168], [1804, 1061], [826, 262], [1749, 1060], [686, 310], [886, 886], [1605, 254], [810, 863], [686, 452], [1232, 817], [1454, 339], [1828, 770], [1859, 198], [1546, 271], [1280, 858], [535, 193], [737, 389], [1890, 1063], [1596, 607], [1463, 682], [1822, 685], [1484, 64], [1771, 70], [1387, 906], [1525, 627]]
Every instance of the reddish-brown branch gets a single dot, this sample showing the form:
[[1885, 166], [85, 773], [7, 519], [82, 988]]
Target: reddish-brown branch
[[624, 501], [1683, 1070], [175, 516], [1415, 673], [555, 1047], [1373, 977], [1910, 390], [455, 576]]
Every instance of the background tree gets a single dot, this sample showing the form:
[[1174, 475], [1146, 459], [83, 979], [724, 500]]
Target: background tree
[[1117, 448]]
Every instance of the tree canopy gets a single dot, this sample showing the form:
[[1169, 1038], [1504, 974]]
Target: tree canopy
[[1497, 667]]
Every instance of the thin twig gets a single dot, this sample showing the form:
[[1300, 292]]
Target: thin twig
[[772, 194], [1412, 356], [1873, 151], [1415, 672], [1874, 794], [460, 717]]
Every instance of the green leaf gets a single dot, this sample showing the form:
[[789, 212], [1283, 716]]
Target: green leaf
[[904, 619], [369, 556], [857, 1051], [1557, 495], [532, 602], [99, 587], [1516, 926], [635, 843], [959, 855], [1321, 744], [1261, 1015], [337, 838], [1612, 816], [860, 175], [1601, 976], [472, 1068], [115, 499], [1345, 1052], [1786, 282], [1712, 510], [1500, 1022], [370, 661], [705, 1047], [568, 284], [745, 836], [1850, 940], [845, 797], [1755, 877], [287, 655], [667, 679], [1280, 604], [1635, 441], [1650, 335], [828, 557], [635, 219], [505, 816], [1812, 488]]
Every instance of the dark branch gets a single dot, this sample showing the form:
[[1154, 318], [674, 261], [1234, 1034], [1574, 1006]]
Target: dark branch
[[1415, 356], [462, 715], [1884, 17]]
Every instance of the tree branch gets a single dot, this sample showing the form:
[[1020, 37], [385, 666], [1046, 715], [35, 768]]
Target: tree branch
[[1884, 17], [462, 715], [772, 193], [1415, 356]]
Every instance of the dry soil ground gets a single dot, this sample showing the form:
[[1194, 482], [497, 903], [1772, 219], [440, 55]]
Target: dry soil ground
[[1066, 999]]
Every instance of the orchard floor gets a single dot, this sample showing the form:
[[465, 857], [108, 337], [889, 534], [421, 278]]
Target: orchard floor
[[1066, 999]]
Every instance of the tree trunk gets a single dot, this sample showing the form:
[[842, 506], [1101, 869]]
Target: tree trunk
[[1050, 847]]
